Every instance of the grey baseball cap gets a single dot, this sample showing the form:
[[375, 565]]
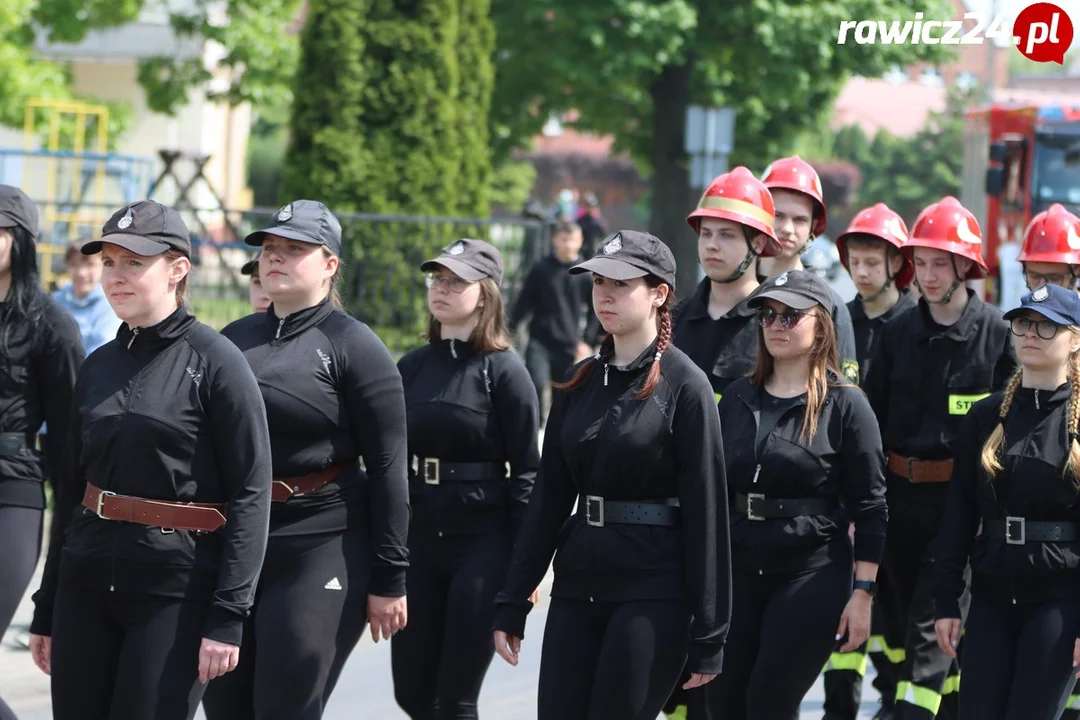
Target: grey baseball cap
[[307, 221], [470, 260], [145, 228]]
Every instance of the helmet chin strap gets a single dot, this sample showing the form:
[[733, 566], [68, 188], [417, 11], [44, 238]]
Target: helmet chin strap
[[889, 277], [741, 270], [806, 245], [949, 293]]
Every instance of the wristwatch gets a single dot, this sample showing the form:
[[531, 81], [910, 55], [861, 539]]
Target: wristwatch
[[867, 585]]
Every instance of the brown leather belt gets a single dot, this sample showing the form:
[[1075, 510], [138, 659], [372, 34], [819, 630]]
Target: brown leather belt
[[285, 487], [169, 516], [920, 471]]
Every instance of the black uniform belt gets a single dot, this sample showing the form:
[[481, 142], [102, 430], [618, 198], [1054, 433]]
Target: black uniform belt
[[599, 512], [12, 443], [434, 471], [759, 507], [1019, 531]]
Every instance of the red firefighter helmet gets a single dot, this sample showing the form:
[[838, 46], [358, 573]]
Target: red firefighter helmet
[[882, 222], [1052, 236], [947, 225], [796, 174], [740, 197]]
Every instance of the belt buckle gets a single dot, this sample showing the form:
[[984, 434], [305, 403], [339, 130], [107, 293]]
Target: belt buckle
[[1010, 538], [594, 501], [750, 506], [100, 505], [911, 469], [431, 471]]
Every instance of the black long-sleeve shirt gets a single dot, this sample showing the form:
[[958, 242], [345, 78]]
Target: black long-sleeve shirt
[[37, 379], [924, 377], [466, 406], [867, 329], [1031, 485], [334, 395], [560, 306], [169, 412], [602, 440], [843, 460], [725, 348]]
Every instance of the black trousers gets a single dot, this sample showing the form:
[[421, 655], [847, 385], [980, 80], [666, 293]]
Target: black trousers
[[440, 659], [783, 628], [927, 679], [547, 365], [845, 672], [1018, 660], [310, 611], [611, 661], [125, 656], [20, 538]]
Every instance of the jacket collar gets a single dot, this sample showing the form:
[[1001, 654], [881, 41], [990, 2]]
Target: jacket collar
[[292, 325], [453, 348], [697, 306], [157, 337], [905, 302], [1047, 398], [643, 360], [750, 394], [962, 329]]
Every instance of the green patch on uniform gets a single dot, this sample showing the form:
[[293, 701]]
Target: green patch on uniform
[[718, 396], [960, 404], [679, 714], [850, 368]]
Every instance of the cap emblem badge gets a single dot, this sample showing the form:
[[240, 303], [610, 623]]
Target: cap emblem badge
[[613, 247], [284, 214], [1040, 294], [782, 280], [125, 222], [457, 248]]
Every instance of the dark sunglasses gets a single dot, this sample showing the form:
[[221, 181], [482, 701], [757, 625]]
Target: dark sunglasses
[[788, 319], [1046, 329]]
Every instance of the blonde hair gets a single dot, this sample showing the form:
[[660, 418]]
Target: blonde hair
[[824, 360], [335, 282], [181, 287], [991, 451]]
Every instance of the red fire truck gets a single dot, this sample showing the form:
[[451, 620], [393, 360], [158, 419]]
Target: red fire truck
[[1018, 160]]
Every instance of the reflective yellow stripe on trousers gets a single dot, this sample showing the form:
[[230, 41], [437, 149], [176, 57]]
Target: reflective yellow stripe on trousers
[[926, 698]]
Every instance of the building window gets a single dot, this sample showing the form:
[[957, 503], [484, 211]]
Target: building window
[[931, 77]]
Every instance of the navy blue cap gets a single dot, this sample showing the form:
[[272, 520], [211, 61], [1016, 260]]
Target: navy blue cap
[[1053, 302], [306, 221], [799, 289]]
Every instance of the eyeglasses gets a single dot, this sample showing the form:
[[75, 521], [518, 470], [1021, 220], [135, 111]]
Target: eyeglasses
[[1034, 279], [1046, 329], [788, 319], [452, 282]]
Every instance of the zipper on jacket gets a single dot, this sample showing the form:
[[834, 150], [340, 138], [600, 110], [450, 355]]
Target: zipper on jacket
[[280, 325], [757, 471], [453, 351], [1036, 405], [134, 332], [605, 374]]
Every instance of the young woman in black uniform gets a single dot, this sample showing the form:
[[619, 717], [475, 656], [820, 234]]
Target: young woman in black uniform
[[1017, 473], [642, 568], [147, 584], [40, 354], [473, 417], [336, 557], [804, 461]]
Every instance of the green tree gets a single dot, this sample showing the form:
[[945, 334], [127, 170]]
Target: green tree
[[631, 68], [390, 116]]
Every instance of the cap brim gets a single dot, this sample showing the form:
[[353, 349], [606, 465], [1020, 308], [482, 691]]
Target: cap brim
[[1048, 314], [249, 267], [789, 298], [6, 221], [133, 243], [257, 238], [463, 271], [609, 268]]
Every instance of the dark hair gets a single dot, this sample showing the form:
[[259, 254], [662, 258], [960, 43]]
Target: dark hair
[[663, 342], [490, 333], [25, 301], [824, 361], [567, 226]]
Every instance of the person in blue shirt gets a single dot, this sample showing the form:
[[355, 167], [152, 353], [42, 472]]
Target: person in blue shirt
[[85, 299]]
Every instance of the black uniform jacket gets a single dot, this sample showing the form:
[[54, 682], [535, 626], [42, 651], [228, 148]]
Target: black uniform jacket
[[843, 460], [466, 406], [1031, 486], [868, 329], [560, 305], [334, 395], [601, 440], [37, 377], [169, 412], [924, 377], [725, 348]]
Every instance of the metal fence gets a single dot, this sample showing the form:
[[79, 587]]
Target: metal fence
[[381, 254]]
